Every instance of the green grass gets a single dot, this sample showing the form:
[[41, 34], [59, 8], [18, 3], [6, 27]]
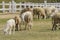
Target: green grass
[[2, 21], [41, 30]]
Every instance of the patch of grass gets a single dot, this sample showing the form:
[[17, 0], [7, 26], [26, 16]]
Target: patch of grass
[[2, 21], [41, 30], [36, 19]]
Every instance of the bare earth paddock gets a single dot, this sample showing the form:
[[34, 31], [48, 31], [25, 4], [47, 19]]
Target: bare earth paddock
[[41, 30]]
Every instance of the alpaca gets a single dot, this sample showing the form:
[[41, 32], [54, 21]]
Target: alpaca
[[40, 12], [17, 23], [10, 25], [49, 11], [55, 19], [27, 18]]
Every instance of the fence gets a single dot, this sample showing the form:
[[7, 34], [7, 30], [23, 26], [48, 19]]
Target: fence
[[13, 7]]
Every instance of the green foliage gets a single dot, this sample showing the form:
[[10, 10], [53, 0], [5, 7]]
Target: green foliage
[[39, 1]]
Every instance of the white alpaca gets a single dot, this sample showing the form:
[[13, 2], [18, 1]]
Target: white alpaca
[[27, 18], [9, 27], [26, 13], [54, 13]]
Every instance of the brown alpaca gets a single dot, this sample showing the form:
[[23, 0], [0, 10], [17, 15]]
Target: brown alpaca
[[18, 22]]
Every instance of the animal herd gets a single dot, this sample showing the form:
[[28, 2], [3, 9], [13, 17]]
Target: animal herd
[[27, 15]]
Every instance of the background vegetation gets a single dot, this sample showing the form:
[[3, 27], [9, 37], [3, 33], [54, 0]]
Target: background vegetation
[[40, 1]]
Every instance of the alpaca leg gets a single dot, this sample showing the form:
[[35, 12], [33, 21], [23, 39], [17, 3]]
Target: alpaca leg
[[13, 29], [25, 26], [38, 16], [54, 27], [30, 25], [20, 27], [45, 17], [6, 31], [16, 27], [10, 31]]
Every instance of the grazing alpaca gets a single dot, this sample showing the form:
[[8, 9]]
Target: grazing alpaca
[[28, 21], [27, 18], [49, 11], [40, 12], [17, 23], [55, 19], [10, 25]]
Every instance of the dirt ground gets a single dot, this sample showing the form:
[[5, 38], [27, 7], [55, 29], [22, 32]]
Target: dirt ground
[[8, 15]]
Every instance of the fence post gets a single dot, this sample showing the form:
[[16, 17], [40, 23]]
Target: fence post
[[13, 6], [10, 7], [33, 5], [24, 5], [3, 6], [45, 3], [29, 5], [20, 7]]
